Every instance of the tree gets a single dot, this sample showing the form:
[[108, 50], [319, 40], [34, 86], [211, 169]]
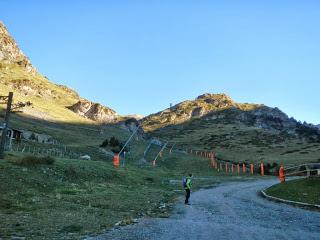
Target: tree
[[114, 142]]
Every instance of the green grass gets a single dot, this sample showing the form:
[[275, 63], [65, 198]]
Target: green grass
[[301, 190], [73, 198], [34, 160]]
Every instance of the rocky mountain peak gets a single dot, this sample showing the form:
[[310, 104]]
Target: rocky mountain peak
[[210, 97], [10, 52], [201, 106]]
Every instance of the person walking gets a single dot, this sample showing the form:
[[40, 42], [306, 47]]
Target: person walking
[[188, 185]]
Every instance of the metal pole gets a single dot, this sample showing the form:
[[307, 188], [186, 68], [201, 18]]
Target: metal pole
[[128, 142], [172, 148], [164, 146], [147, 149], [124, 159], [6, 125]]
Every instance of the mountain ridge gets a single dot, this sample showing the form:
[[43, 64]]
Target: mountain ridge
[[49, 101], [56, 102]]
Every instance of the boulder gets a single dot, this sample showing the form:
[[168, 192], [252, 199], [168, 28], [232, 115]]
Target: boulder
[[85, 157]]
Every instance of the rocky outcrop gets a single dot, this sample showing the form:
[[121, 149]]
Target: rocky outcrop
[[131, 124], [94, 111], [261, 117], [69, 91], [217, 100], [10, 52], [38, 137], [135, 116]]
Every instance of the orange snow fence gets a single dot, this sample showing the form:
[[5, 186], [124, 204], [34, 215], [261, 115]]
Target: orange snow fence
[[282, 176], [213, 162], [116, 161], [262, 169], [243, 168]]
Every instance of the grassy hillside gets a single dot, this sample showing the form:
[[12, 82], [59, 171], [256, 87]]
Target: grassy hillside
[[81, 138], [49, 101], [73, 198], [239, 142]]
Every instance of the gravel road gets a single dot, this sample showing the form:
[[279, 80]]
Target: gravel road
[[229, 211]]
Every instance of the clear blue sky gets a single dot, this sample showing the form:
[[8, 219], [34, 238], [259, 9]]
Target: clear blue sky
[[140, 56]]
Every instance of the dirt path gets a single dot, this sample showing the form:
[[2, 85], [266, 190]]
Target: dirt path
[[230, 211]]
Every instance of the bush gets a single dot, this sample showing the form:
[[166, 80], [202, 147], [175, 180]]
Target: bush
[[33, 160], [114, 142], [71, 172], [105, 143]]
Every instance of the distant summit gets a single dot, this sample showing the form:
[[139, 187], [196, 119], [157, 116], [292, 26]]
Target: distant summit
[[221, 109], [201, 106], [135, 116]]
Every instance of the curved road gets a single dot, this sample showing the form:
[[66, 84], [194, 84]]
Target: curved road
[[229, 211]]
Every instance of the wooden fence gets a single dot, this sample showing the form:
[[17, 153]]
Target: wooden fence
[[52, 150]]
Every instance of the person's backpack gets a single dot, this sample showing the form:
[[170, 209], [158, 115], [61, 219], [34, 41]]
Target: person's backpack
[[184, 182]]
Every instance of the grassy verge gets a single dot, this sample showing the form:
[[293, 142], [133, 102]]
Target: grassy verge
[[301, 190], [69, 199]]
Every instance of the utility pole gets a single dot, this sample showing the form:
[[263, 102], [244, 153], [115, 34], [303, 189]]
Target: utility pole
[[6, 125]]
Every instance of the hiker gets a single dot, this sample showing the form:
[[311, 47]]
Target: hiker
[[187, 187]]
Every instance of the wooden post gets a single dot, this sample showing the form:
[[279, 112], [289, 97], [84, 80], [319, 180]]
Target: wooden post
[[6, 125], [243, 168], [308, 171]]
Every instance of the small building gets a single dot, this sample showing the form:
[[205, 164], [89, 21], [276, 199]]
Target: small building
[[12, 134]]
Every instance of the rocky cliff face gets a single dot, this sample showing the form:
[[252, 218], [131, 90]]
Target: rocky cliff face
[[10, 52], [94, 111]]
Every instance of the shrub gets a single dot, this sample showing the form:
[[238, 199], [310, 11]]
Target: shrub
[[33, 160], [105, 143], [114, 142], [33, 137], [71, 172]]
